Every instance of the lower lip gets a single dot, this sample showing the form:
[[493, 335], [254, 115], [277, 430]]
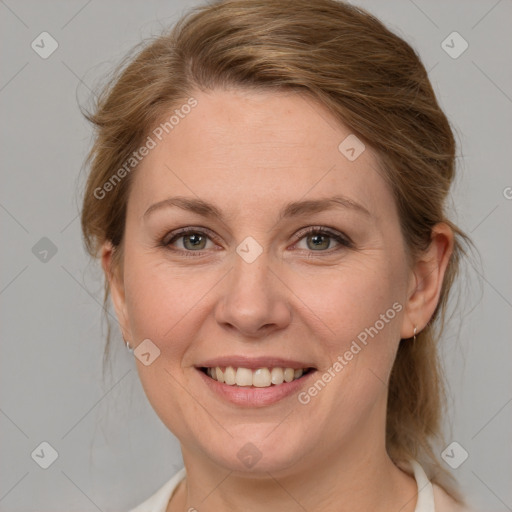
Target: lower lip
[[247, 396]]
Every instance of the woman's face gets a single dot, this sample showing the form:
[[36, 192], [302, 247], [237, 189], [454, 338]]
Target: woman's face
[[248, 287]]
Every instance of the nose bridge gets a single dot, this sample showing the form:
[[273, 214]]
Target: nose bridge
[[251, 265], [252, 296], [249, 281]]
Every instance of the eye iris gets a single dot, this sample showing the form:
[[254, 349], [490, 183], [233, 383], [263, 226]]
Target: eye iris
[[195, 240], [319, 241]]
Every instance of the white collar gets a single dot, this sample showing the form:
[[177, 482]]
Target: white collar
[[425, 502]]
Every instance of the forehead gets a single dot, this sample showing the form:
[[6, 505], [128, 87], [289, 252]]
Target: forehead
[[247, 150]]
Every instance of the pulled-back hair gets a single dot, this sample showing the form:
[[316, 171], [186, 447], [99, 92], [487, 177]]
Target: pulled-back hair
[[369, 78]]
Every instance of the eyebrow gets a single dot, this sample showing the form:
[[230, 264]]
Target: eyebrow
[[292, 209]]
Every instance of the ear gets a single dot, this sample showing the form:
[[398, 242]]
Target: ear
[[427, 279], [115, 279]]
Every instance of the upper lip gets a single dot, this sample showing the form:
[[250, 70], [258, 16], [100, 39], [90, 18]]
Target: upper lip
[[253, 362]]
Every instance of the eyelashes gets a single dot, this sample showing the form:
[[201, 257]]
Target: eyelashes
[[193, 237], [323, 232], [171, 238]]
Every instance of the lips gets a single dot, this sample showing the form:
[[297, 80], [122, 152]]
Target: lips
[[254, 382], [258, 372]]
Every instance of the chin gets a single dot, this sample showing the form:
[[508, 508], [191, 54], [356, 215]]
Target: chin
[[258, 454]]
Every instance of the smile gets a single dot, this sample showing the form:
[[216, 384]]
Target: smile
[[254, 383], [259, 378]]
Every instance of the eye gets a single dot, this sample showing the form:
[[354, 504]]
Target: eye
[[192, 240], [320, 239], [188, 239]]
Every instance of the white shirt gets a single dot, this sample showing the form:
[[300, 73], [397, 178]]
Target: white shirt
[[425, 501]]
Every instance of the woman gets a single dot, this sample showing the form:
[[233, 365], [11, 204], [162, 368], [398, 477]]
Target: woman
[[266, 196]]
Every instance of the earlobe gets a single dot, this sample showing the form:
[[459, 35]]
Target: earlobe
[[116, 287], [427, 280]]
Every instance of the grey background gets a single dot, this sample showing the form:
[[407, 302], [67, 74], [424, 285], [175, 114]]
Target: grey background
[[113, 451]]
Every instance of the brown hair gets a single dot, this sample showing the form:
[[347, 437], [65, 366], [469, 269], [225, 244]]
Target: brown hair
[[369, 78]]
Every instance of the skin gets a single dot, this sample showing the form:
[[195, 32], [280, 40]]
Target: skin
[[250, 154]]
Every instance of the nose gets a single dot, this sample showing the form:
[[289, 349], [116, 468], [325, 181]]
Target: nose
[[254, 300]]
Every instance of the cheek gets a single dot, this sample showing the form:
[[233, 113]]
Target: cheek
[[159, 304], [157, 299], [168, 305], [351, 298], [156, 293]]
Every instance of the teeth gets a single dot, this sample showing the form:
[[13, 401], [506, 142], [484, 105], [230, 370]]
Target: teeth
[[288, 374], [218, 374], [243, 377], [260, 378], [229, 376], [276, 376]]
